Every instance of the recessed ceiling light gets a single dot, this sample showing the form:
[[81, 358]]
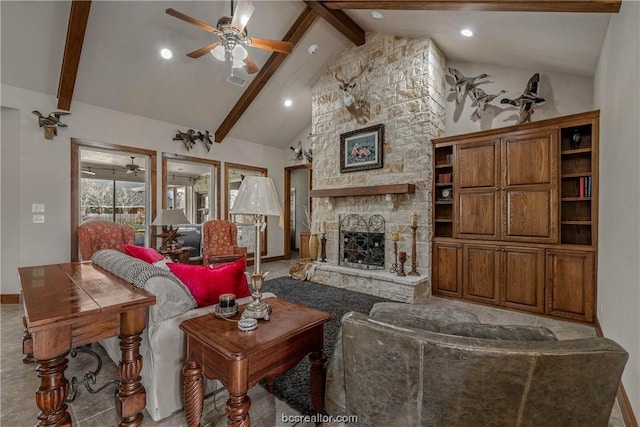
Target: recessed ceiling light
[[166, 53], [313, 49], [376, 15], [466, 32], [288, 103]]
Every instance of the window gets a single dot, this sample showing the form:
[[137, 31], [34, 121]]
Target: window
[[112, 183]]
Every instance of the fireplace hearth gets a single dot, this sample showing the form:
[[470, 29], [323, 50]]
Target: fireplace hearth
[[362, 242]]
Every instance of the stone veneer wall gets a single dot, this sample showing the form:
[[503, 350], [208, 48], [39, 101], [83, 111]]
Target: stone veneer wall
[[405, 89]]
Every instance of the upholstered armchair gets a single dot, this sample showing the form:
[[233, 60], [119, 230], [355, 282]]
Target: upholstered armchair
[[220, 242], [95, 235], [423, 365]]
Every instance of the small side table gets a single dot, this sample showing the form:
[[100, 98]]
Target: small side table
[[180, 254], [221, 259], [239, 360]]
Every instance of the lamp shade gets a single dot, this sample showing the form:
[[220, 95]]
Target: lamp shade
[[256, 196], [170, 217]]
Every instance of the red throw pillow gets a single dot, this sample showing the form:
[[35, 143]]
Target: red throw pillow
[[207, 284], [149, 255]]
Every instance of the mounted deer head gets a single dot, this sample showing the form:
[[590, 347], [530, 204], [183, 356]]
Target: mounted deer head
[[357, 107]]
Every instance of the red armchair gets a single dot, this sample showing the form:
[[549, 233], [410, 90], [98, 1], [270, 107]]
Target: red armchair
[[220, 242], [96, 235]]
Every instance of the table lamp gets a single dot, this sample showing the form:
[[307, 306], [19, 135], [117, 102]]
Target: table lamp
[[257, 196], [166, 218]]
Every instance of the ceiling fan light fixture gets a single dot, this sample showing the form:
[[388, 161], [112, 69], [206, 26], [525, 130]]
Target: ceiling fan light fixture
[[238, 63], [239, 53], [218, 52]]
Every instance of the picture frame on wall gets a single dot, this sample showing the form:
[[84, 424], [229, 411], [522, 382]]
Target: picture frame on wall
[[362, 149]]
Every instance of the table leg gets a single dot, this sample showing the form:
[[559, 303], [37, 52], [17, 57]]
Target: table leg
[[131, 399], [27, 344], [193, 392], [238, 410], [270, 383], [52, 392], [317, 377]]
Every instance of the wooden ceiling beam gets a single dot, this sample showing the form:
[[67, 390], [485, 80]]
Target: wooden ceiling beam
[[340, 21], [78, 18], [584, 6], [295, 33]]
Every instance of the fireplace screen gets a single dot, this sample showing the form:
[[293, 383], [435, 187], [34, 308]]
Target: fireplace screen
[[362, 242]]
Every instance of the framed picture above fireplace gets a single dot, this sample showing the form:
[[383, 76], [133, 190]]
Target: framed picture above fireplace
[[361, 149]]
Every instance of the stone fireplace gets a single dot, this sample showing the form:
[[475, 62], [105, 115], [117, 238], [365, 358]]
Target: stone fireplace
[[405, 91], [361, 242]]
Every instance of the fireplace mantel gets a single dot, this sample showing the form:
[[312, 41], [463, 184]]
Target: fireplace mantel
[[370, 190]]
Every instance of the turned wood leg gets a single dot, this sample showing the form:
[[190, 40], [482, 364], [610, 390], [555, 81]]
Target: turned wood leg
[[317, 377], [270, 383], [27, 344], [193, 392], [52, 392], [238, 410], [131, 399]]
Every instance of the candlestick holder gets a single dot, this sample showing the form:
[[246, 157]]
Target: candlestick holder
[[323, 248], [403, 259], [414, 263], [395, 266]]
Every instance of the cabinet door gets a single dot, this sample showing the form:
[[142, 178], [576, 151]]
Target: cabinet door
[[481, 273], [475, 192], [523, 278], [530, 187], [447, 269], [570, 284]]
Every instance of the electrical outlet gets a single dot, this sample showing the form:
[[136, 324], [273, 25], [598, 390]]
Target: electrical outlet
[[37, 207], [38, 219]]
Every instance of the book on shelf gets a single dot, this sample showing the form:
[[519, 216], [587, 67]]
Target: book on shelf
[[581, 188], [587, 190]]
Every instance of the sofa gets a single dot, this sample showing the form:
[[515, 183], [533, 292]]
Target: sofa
[[163, 344], [431, 366]]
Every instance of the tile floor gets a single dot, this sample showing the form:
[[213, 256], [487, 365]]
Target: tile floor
[[18, 380]]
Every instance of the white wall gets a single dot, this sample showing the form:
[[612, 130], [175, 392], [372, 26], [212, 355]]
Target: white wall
[[617, 95], [10, 190], [565, 94], [40, 170]]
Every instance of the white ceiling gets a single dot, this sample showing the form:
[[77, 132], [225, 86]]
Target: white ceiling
[[121, 68]]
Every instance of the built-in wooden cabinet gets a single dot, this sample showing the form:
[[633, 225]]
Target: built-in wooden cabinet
[[508, 203], [565, 268], [447, 269]]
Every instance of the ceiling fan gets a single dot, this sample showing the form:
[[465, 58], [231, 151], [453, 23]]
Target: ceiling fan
[[133, 168], [233, 37]]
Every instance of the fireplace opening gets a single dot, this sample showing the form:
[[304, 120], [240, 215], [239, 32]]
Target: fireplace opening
[[362, 242]]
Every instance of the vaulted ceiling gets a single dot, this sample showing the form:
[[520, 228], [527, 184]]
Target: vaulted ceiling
[[115, 62]]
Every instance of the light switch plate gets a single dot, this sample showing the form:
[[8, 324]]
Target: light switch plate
[[37, 207], [38, 219]]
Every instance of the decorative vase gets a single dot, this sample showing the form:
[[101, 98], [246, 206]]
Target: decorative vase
[[313, 247], [575, 139]]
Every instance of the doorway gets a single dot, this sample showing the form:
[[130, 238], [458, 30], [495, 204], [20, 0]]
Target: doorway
[[297, 183]]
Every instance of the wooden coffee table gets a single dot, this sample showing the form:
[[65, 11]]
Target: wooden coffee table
[[217, 348]]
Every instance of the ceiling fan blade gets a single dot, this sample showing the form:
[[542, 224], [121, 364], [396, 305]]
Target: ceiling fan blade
[[250, 65], [192, 21], [241, 15], [274, 45], [202, 51]]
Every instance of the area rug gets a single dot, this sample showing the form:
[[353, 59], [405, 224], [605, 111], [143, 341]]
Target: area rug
[[293, 387]]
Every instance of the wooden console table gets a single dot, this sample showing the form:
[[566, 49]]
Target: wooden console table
[[240, 360], [73, 304]]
